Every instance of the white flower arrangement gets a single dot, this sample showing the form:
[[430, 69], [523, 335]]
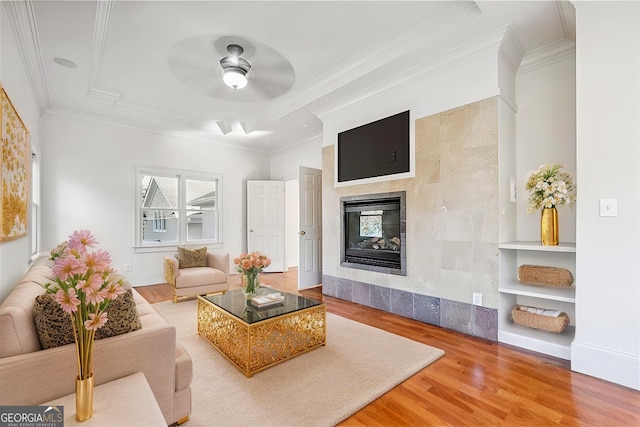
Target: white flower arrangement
[[549, 187]]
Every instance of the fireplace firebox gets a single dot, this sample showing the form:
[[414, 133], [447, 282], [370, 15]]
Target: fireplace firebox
[[373, 232]]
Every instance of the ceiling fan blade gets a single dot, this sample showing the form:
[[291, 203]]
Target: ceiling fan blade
[[195, 62]]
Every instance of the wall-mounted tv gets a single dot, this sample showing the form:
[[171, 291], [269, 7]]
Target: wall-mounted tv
[[375, 149]]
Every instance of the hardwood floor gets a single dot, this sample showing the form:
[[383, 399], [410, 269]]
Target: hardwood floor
[[476, 383]]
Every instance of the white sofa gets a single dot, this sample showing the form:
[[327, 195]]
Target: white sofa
[[30, 375]]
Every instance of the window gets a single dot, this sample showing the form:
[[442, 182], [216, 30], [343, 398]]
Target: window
[[35, 204], [177, 207], [159, 223]]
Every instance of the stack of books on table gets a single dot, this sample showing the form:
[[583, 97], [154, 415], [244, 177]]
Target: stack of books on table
[[267, 300]]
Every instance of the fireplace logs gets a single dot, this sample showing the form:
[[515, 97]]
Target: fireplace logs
[[392, 244]]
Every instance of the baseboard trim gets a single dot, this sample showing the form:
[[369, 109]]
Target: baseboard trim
[[607, 364]]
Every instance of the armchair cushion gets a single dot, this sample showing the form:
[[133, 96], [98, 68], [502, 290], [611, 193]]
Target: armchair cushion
[[191, 258], [200, 276]]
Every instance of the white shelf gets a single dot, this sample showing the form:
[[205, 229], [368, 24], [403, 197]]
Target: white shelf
[[512, 291], [537, 246], [557, 345], [514, 287]]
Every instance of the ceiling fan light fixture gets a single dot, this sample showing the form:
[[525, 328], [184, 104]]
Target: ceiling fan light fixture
[[235, 68], [234, 78]]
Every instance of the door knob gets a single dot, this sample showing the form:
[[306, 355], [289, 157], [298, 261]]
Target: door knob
[[302, 233], [250, 230]]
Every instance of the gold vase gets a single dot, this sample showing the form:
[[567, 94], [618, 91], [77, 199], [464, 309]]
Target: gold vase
[[549, 227], [84, 398]]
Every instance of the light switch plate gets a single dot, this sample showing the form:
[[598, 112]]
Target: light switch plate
[[608, 207]]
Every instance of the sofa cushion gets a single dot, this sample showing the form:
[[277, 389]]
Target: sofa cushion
[[54, 326], [190, 258], [184, 368]]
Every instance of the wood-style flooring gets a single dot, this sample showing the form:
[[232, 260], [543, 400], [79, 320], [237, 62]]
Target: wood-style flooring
[[476, 383]]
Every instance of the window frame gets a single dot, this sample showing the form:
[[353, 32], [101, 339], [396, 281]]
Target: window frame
[[182, 236], [35, 204]]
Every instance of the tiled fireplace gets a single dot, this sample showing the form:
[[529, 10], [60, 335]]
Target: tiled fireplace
[[450, 240], [373, 230]]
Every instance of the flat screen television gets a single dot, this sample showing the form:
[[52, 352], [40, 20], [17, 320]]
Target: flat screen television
[[375, 149]]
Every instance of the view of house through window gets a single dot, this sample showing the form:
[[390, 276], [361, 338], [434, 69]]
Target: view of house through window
[[176, 207], [371, 223]]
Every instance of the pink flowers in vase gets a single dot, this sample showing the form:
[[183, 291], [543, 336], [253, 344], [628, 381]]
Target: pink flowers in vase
[[83, 289], [254, 262]]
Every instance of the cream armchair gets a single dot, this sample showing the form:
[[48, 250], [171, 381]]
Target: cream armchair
[[193, 281]]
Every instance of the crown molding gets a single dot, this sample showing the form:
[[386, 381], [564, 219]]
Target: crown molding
[[23, 23], [546, 55], [398, 44], [82, 118], [567, 12], [104, 93], [464, 54], [131, 110], [292, 147], [511, 50], [100, 34]]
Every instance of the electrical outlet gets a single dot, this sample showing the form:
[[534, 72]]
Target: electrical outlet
[[477, 298], [127, 266]]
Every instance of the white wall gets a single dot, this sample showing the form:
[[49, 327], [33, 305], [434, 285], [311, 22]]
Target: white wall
[[14, 254], [546, 133], [88, 178], [285, 163], [607, 343]]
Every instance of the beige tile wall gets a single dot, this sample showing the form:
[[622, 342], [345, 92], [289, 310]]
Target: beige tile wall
[[452, 208]]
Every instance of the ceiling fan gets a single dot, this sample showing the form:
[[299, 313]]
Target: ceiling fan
[[235, 68], [207, 62]]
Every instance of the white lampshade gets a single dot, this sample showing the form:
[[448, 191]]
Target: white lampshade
[[234, 78]]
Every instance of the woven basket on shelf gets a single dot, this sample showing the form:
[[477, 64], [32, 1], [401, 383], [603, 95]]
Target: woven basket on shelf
[[538, 321], [545, 276]]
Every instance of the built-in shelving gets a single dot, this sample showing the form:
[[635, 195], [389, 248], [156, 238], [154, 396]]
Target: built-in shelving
[[512, 291], [537, 246], [514, 287], [557, 345]]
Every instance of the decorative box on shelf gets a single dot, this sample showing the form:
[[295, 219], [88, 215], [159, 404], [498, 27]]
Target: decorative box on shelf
[[545, 276], [539, 318]]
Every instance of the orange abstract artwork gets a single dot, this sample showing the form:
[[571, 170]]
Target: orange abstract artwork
[[13, 173]]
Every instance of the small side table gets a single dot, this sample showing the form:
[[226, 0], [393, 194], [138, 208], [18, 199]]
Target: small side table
[[127, 401]]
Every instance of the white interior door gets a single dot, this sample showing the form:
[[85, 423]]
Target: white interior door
[[310, 235], [266, 221]]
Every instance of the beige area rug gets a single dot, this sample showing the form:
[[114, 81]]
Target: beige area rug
[[322, 387]]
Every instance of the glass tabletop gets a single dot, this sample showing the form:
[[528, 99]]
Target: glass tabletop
[[234, 302]]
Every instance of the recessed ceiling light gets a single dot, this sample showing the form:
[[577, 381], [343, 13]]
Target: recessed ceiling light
[[65, 62], [267, 142]]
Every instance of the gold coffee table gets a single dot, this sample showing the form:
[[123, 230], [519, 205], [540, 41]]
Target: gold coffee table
[[254, 338]]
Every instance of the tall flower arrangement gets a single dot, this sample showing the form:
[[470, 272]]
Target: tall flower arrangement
[[250, 265], [549, 187], [83, 288]]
